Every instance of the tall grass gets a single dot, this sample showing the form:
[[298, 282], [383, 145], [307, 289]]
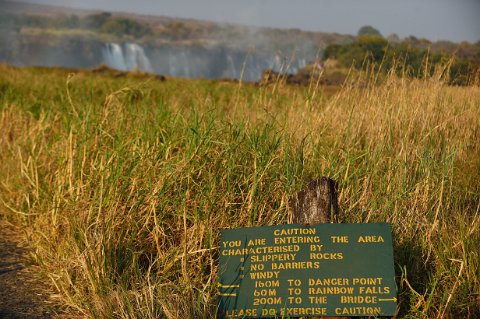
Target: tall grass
[[123, 185]]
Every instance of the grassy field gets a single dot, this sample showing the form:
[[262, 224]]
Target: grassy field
[[123, 184]]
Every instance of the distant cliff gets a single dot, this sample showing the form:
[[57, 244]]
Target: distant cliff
[[175, 47], [174, 59]]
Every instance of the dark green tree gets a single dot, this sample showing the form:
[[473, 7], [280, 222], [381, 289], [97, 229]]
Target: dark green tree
[[96, 21], [124, 26], [374, 46], [368, 30]]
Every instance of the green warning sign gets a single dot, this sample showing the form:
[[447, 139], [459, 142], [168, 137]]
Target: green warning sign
[[295, 271]]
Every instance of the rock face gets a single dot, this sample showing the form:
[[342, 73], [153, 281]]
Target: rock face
[[43, 50], [309, 75]]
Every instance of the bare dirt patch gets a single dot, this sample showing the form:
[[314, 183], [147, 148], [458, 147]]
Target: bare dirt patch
[[23, 293]]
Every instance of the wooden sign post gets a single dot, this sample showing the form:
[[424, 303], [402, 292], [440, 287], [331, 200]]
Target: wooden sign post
[[307, 269]]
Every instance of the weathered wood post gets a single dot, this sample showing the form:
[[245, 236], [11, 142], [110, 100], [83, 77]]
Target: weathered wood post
[[316, 204]]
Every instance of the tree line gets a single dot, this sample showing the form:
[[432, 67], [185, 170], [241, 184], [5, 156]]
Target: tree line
[[410, 57], [103, 22]]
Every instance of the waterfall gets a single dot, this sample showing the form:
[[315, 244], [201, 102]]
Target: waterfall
[[206, 63], [113, 56], [233, 71], [302, 63], [186, 64], [277, 64], [131, 57], [172, 64], [135, 58]]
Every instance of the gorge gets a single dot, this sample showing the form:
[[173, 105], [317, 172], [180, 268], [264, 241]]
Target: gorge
[[206, 61]]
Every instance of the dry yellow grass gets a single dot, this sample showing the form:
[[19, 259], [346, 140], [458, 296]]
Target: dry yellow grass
[[123, 185]]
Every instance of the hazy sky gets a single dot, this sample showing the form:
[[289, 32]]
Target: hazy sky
[[455, 20]]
